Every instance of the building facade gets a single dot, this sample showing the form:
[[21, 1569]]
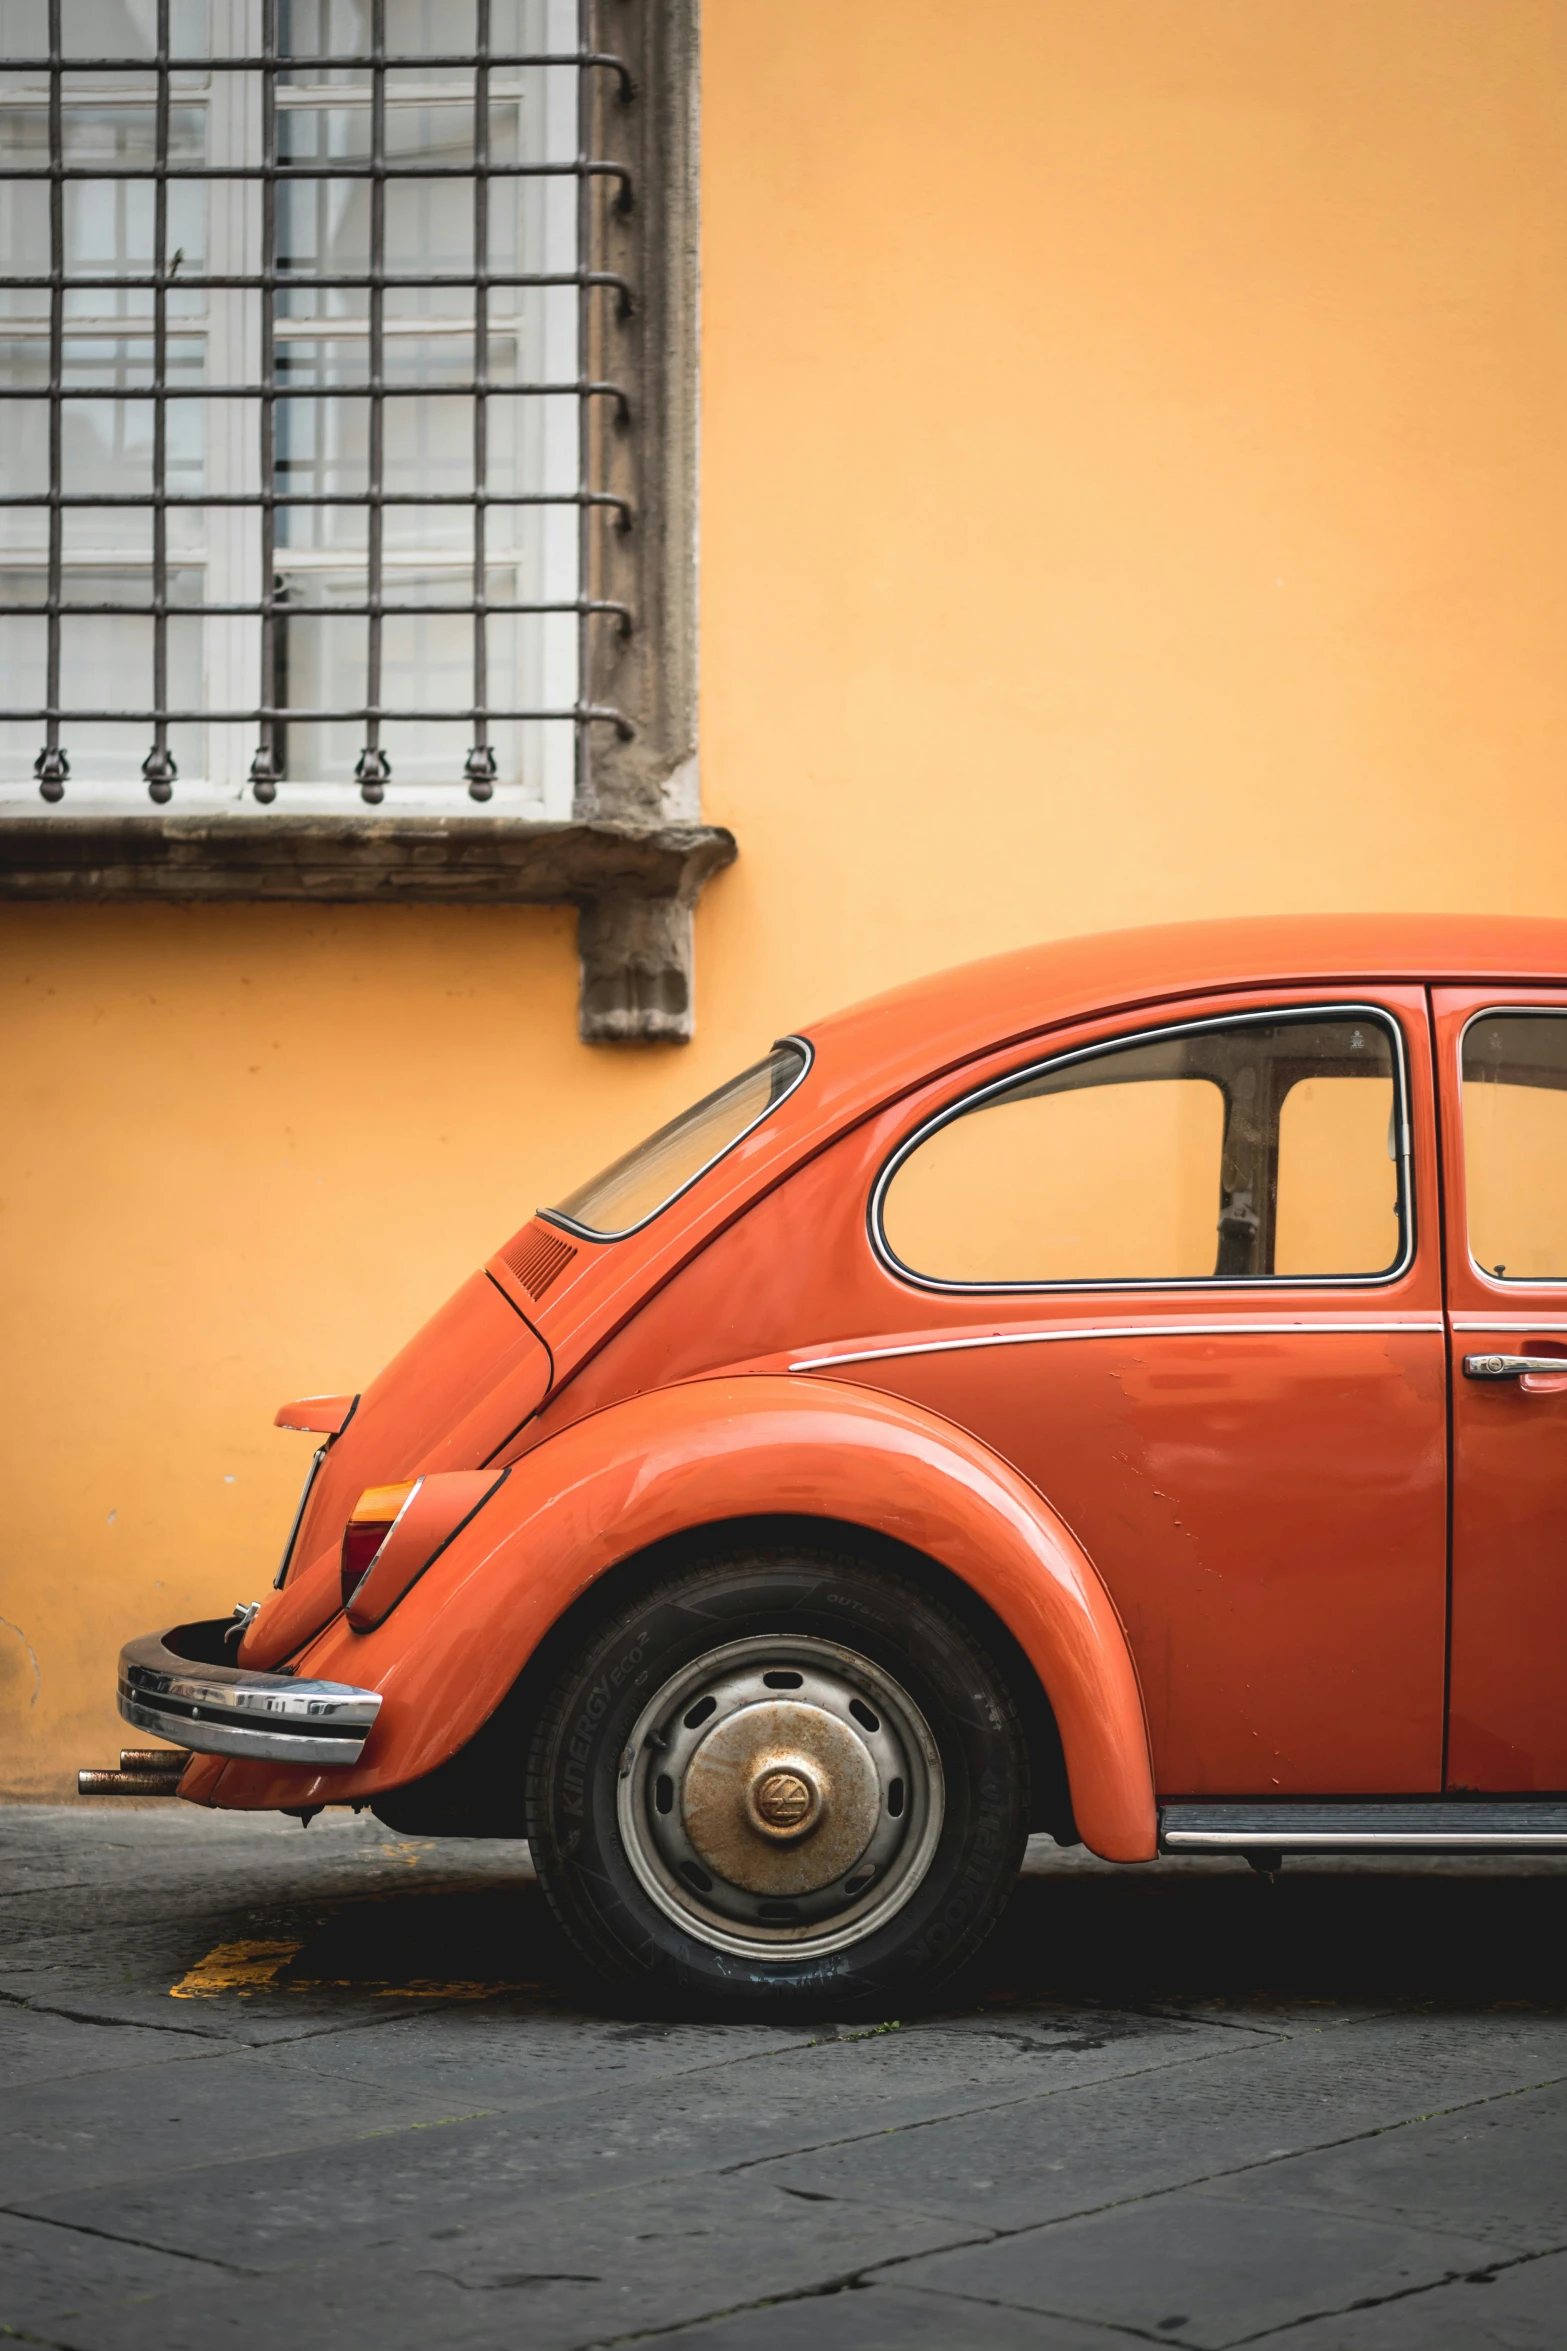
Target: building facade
[[1004, 470]]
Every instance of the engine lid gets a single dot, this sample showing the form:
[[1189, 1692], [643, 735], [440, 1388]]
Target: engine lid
[[449, 1400]]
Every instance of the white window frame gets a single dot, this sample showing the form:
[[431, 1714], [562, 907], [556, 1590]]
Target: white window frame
[[229, 559]]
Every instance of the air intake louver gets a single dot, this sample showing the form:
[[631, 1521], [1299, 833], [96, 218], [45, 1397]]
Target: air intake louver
[[538, 1257]]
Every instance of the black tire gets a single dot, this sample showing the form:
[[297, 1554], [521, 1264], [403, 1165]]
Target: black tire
[[609, 1864]]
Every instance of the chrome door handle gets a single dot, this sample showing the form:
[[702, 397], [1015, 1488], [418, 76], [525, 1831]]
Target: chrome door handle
[[1512, 1367]]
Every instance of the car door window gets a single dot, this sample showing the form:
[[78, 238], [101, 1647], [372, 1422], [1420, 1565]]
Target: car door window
[[1515, 1144], [1263, 1147]]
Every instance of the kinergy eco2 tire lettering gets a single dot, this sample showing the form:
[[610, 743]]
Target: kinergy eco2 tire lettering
[[780, 1778]]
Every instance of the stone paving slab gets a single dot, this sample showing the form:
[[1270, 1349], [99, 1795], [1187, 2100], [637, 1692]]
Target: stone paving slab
[[42, 2047], [630, 2264], [339, 2185], [1494, 2172], [1329, 2112], [66, 2137], [497, 2054], [1517, 2309], [52, 2279], [1055, 2157], [181, 1882], [1197, 2269]]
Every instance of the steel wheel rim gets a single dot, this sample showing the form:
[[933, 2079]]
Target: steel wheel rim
[[794, 1814]]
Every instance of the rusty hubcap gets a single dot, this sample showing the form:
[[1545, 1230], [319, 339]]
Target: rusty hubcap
[[780, 1791]]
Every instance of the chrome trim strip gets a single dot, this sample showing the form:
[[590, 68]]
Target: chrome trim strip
[[585, 1232], [311, 1475], [1118, 1330], [1384, 1018], [231, 1710], [1507, 1824], [386, 1538], [1504, 1322]]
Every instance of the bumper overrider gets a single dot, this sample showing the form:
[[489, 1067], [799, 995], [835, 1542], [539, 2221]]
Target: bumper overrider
[[174, 1684]]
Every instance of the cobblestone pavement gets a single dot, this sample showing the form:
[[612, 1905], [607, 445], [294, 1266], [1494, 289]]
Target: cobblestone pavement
[[262, 2088]]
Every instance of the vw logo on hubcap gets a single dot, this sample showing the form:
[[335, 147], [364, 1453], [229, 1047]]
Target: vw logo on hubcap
[[784, 1801]]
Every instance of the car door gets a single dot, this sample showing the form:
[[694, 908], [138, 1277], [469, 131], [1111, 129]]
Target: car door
[[1201, 1263], [1502, 1056]]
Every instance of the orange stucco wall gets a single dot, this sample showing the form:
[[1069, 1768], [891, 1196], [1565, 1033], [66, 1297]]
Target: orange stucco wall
[[1133, 486]]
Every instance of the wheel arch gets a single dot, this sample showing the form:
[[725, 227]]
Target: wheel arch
[[463, 1796], [667, 1469]]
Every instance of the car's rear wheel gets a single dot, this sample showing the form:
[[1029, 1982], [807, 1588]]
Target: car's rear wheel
[[779, 1778]]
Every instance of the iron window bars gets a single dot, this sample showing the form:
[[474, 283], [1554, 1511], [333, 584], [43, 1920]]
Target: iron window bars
[[600, 182]]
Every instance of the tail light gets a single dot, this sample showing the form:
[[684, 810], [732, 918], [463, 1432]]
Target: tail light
[[369, 1523]]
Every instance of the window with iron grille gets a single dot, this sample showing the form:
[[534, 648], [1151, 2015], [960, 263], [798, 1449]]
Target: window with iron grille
[[346, 461]]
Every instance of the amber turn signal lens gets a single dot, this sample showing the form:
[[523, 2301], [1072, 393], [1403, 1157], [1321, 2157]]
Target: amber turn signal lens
[[369, 1523]]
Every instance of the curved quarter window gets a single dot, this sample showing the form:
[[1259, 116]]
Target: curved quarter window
[[648, 1178], [1234, 1150]]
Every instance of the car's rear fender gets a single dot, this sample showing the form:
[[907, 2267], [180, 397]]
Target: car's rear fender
[[690, 1456]]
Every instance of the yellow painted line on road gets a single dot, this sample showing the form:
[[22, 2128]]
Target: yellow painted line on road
[[427, 1991], [234, 1967], [244, 1968]]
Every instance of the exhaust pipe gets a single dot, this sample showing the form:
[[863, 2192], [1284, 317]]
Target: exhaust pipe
[[144, 1771]]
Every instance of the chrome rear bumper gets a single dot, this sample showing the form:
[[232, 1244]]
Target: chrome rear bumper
[[167, 1687]]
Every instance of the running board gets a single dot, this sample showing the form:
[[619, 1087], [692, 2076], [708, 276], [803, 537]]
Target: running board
[[1507, 1824]]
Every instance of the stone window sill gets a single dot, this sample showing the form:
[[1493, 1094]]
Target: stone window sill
[[634, 884]]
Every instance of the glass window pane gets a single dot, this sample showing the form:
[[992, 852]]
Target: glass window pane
[[24, 32], [342, 28], [1256, 1148], [630, 1191], [24, 211], [129, 28], [1056, 1187], [1515, 1144], [1338, 1185], [109, 224]]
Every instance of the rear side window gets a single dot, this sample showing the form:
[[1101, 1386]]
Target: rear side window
[[1515, 1144], [652, 1175], [1238, 1150]]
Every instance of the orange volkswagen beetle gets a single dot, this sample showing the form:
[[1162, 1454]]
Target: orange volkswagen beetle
[[1119, 1389]]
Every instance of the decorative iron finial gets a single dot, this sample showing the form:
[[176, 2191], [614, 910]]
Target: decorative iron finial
[[374, 771], [51, 767], [160, 771]]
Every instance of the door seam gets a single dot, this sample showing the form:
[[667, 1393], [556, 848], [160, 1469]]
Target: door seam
[[1438, 1108]]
